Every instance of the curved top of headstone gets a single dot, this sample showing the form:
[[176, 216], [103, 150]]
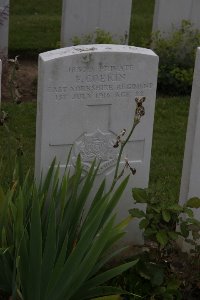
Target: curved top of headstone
[[96, 48]]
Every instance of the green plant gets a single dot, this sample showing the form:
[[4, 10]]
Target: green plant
[[163, 225], [177, 56], [98, 37], [160, 221], [149, 280], [49, 250], [50, 247]]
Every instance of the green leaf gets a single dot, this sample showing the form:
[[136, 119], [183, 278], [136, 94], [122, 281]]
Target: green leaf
[[24, 263], [58, 267], [157, 277], [105, 259], [162, 237], [184, 229], [176, 207], [107, 275], [35, 253], [115, 199], [3, 251], [123, 224], [100, 291], [76, 214], [193, 202], [79, 266], [100, 201], [149, 232], [173, 235], [75, 260], [138, 213], [189, 212], [140, 195], [4, 206], [44, 186], [98, 195], [173, 284], [116, 297], [49, 252], [166, 215], [143, 223]]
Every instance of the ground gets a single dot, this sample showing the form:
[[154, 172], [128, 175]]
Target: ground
[[26, 80]]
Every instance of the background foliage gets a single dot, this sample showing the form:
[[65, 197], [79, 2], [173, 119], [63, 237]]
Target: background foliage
[[177, 54]]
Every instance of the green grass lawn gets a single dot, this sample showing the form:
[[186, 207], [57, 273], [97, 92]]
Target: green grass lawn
[[35, 24], [141, 22], [168, 146], [21, 126], [167, 151]]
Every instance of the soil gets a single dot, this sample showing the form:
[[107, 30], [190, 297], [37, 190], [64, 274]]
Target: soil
[[25, 80]]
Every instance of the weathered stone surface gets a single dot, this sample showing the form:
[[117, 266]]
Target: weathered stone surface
[[190, 182], [86, 96], [170, 13], [4, 26], [83, 17]]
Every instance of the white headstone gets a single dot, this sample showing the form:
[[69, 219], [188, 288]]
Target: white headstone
[[86, 96], [190, 182], [4, 26], [83, 17], [170, 13]]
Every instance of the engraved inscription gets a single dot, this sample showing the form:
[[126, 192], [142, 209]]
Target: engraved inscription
[[97, 145], [101, 68], [110, 77], [98, 91], [100, 82]]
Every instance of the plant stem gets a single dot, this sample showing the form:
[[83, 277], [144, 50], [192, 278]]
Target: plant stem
[[123, 144]]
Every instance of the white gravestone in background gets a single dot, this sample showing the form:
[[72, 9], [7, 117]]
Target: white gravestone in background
[[86, 96], [190, 182], [4, 26], [83, 17], [168, 13]]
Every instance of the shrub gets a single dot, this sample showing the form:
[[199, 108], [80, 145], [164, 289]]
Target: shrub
[[177, 56], [99, 36], [163, 271], [49, 249]]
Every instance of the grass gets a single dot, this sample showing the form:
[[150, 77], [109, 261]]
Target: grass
[[21, 125], [141, 22], [21, 7], [168, 141], [168, 146], [41, 33], [35, 25]]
